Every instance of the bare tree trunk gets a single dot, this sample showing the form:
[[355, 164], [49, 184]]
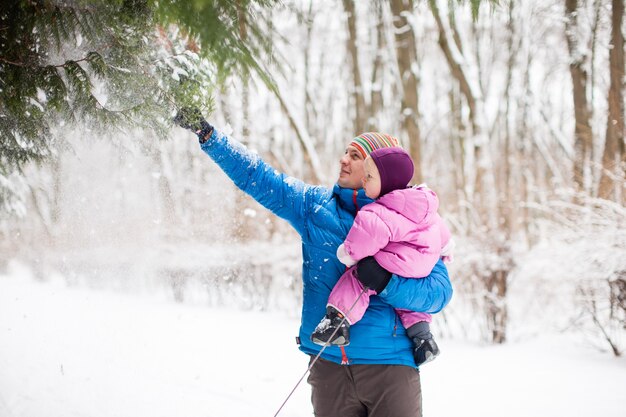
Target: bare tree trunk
[[527, 164], [311, 156], [245, 77], [244, 224], [613, 157], [508, 210], [483, 191], [482, 194], [597, 7], [457, 149], [309, 105], [167, 206], [582, 112], [448, 41], [406, 51], [376, 102], [360, 118], [497, 312]]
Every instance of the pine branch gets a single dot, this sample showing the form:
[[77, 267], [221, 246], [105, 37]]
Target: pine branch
[[112, 47]]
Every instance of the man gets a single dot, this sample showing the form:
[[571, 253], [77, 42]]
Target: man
[[374, 376]]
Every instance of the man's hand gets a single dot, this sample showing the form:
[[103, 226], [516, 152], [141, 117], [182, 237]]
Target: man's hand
[[372, 275], [191, 118]]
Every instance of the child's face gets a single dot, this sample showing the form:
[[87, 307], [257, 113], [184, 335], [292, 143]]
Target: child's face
[[371, 181]]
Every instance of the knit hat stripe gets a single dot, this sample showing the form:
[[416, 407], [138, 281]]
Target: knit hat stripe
[[360, 148], [375, 141], [368, 142]]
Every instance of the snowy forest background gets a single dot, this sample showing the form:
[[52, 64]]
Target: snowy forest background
[[514, 116]]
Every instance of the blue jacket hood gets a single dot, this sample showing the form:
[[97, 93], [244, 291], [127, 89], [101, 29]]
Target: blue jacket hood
[[351, 200]]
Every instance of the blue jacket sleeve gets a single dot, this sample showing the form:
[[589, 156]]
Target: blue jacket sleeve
[[427, 295], [283, 195]]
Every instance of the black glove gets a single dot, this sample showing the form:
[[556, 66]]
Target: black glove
[[372, 275], [191, 118]]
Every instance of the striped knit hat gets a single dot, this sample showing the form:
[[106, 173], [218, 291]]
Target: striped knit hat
[[370, 141]]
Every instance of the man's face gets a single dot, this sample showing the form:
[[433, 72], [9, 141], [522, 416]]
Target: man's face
[[352, 170]]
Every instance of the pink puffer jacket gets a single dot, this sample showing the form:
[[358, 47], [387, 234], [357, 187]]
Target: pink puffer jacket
[[402, 230]]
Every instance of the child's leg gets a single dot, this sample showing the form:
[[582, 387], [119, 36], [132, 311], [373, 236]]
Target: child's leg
[[347, 291], [409, 318], [417, 327]]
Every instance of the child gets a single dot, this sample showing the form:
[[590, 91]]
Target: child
[[404, 234]]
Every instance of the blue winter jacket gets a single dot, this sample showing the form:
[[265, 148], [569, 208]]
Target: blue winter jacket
[[322, 217]]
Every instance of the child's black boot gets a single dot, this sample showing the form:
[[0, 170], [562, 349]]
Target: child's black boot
[[425, 348], [334, 329]]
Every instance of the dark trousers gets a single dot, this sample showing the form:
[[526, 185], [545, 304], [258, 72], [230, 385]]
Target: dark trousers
[[365, 390]]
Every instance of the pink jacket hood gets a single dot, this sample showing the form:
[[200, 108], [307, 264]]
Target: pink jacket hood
[[418, 204]]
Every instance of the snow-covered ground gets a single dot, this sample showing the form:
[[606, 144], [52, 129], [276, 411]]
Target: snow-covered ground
[[77, 352]]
